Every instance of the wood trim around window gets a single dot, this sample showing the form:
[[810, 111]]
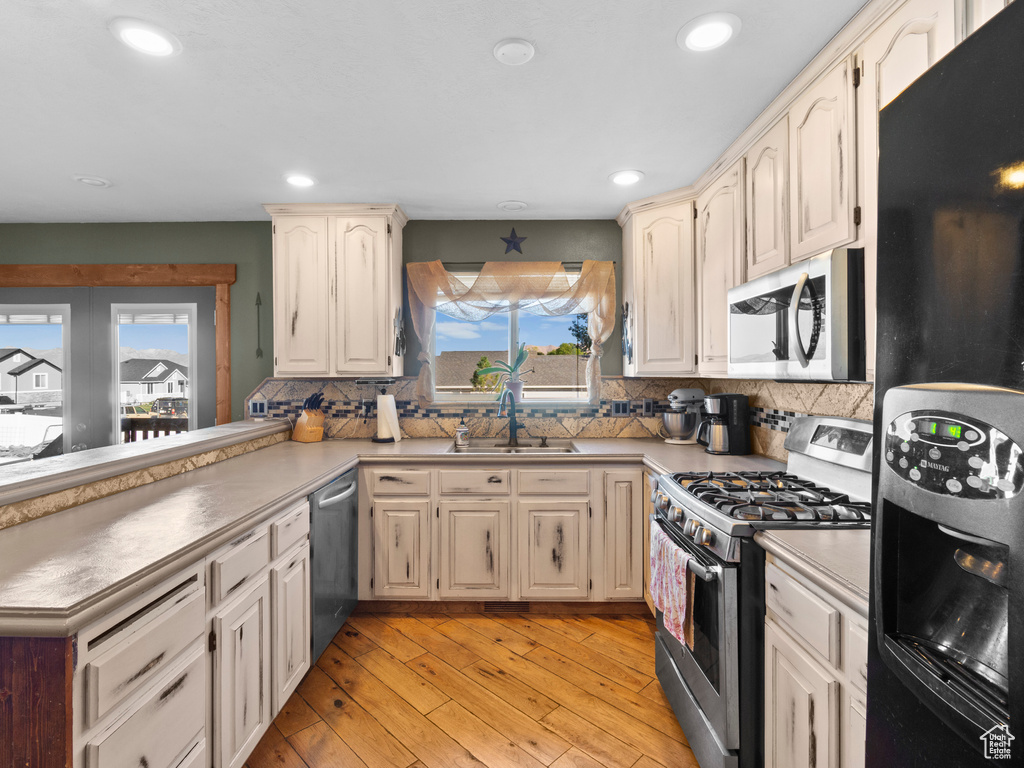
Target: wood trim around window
[[220, 276]]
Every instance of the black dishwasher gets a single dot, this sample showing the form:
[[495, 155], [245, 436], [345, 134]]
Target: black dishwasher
[[333, 542]]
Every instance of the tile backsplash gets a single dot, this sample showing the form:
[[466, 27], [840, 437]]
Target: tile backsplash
[[774, 405]]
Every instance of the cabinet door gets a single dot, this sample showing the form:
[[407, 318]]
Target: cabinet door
[[768, 201], [553, 549], [361, 276], [663, 307], [720, 218], [475, 549], [978, 12], [242, 669], [821, 133], [401, 555], [801, 706], [855, 727], [906, 45], [630, 269], [292, 624], [623, 534], [651, 485], [301, 306]]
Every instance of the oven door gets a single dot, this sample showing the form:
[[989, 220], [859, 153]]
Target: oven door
[[710, 670], [796, 323]]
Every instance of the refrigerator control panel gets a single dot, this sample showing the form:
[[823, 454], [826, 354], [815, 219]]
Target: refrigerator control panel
[[953, 455]]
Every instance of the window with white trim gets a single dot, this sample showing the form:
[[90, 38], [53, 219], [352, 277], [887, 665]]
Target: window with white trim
[[39, 380]]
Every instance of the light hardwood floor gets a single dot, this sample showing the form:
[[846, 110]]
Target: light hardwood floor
[[433, 690]]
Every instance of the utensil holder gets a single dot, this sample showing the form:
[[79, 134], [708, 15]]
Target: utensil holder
[[309, 428]]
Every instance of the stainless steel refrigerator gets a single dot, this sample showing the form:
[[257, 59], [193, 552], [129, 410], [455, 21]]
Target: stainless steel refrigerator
[[950, 309]]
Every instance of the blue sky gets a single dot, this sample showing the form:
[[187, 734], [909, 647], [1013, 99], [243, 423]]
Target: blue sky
[[492, 333], [172, 337], [32, 336]]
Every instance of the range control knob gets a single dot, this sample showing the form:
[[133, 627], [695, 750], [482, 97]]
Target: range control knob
[[690, 527], [675, 514], [654, 495], [703, 536], [662, 503]]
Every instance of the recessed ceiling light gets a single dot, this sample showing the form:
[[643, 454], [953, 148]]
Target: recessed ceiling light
[[300, 180], [709, 31], [514, 51], [145, 37], [512, 205], [92, 181], [625, 178]]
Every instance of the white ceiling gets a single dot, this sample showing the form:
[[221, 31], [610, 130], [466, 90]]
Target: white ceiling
[[381, 100]]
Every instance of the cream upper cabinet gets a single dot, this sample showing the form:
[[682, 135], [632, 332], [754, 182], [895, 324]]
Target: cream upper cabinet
[[337, 289], [977, 12], [906, 45], [301, 301], [821, 146], [767, 201], [721, 260], [658, 252]]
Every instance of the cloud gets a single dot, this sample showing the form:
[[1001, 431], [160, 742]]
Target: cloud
[[457, 331]]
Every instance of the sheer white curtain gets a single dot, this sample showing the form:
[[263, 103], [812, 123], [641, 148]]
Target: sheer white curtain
[[537, 287]]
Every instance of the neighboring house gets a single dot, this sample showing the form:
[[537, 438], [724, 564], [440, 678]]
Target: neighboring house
[[26, 379], [553, 373], [145, 379]]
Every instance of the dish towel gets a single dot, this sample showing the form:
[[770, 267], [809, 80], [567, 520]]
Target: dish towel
[[672, 583]]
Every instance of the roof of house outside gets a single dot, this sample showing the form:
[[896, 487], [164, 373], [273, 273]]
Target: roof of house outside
[[30, 364], [455, 369], [137, 368], [8, 351]]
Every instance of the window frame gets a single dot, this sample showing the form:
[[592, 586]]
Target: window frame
[[512, 344], [43, 377]]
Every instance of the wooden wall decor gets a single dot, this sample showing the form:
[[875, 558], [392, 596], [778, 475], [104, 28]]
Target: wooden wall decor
[[220, 276]]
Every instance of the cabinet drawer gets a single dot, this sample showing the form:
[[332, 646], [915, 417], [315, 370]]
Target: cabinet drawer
[[247, 557], [289, 530], [491, 482], [855, 651], [406, 482], [160, 730], [809, 617], [196, 757], [554, 482], [142, 655]]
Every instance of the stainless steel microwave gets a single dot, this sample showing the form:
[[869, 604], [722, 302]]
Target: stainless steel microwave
[[804, 322]]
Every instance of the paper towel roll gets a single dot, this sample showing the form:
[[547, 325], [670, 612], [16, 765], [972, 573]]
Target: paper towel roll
[[387, 418]]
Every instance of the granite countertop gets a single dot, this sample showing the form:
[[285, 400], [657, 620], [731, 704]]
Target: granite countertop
[[838, 561], [62, 571]]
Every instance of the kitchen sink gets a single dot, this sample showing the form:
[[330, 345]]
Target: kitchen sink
[[490, 446]]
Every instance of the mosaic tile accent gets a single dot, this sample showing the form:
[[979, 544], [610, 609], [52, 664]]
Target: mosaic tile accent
[[774, 406], [31, 509]]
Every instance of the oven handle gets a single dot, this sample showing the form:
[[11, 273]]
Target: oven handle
[[700, 570], [796, 345]]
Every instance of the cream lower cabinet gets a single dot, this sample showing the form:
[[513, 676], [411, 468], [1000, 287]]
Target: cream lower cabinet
[[337, 289], [401, 552], [474, 549], [623, 534], [553, 549], [815, 674], [292, 623], [650, 486], [242, 663], [721, 260]]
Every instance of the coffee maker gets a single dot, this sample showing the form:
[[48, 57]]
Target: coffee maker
[[726, 429]]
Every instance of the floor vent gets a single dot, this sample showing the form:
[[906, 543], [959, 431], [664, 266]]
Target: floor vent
[[506, 606]]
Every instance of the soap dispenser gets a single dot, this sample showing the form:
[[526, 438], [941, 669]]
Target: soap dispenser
[[462, 434]]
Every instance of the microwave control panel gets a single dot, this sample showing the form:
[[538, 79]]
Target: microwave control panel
[[954, 455]]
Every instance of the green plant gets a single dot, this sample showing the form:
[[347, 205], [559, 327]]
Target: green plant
[[480, 382], [505, 371]]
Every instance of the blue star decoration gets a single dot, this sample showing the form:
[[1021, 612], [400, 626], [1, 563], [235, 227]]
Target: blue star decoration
[[512, 242]]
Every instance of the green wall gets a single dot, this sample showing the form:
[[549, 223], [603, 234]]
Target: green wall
[[478, 241], [246, 244]]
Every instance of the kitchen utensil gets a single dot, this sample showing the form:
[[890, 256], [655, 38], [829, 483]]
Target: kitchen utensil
[[681, 421]]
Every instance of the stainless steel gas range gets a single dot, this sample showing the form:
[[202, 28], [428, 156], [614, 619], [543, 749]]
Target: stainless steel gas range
[[715, 682]]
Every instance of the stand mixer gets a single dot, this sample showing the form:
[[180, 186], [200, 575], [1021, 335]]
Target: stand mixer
[[685, 414]]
